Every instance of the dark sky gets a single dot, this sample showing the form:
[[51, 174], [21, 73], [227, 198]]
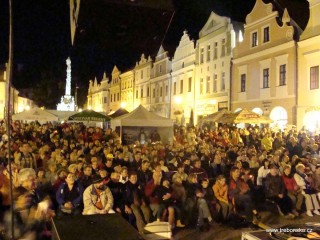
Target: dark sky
[[110, 32]]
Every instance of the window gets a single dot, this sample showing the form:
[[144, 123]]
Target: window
[[181, 86], [266, 37], [174, 88], [167, 90], [243, 83], [208, 52], [314, 77], [215, 50], [141, 74], [283, 73], [148, 91], [154, 93], [215, 82], [201, 55], [189, 84], [254, 39], [137, 95], [160, 68], [201, 86], [110, 97], [118, 96], [161, 92], [266, 78], [105, 100], [223, 47], [208, 85], [141, 92], [114, 97], [223, 81]]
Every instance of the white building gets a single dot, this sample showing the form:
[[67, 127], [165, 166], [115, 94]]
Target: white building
[[183, 81]]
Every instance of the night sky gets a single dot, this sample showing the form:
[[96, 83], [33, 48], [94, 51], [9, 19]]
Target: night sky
[[110, 32]]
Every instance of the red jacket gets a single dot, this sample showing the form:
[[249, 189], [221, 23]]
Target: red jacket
[[290, 183]]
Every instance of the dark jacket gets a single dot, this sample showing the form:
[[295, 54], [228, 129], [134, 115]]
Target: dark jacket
[[274, 186], [77, 193]]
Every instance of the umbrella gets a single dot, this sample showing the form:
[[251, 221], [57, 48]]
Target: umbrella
[[214, 117], [90, 116], [118, 113], [244, 116]]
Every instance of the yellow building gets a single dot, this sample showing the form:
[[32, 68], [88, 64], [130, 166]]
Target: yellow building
[[142, 72], [98, 95], [159, 84], [264, 66], [127, 81], [217, 38], [182, 86], [115, 98], [308, 111]]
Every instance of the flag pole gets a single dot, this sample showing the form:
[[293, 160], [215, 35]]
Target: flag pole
[[8, 113]]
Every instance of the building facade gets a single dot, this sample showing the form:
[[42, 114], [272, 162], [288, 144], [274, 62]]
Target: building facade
[[126, 90], [308, 109], [182, 94], [213, 63], [160, 84], [114, 90], [264, 71], [98, 95], [142, 75]]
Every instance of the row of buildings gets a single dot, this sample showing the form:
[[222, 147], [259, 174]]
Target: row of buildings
[[268, 65], [17, 102]]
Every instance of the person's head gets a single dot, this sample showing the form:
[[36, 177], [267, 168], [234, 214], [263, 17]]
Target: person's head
[[287, 169], [70, 179], [300, 168], [265, 163], [145, 165], [72, 168], [27, 178], [235, 173], [205, 183], [103, 173], [221, 179], [180, 167], [62, 173], [40, 173], [317, 171], [197, 163], [192, 178], [115, 177], [124, 172], [133, 178], [274, 170], [87, 171], [166, 183], [178, 180], [98, 182]]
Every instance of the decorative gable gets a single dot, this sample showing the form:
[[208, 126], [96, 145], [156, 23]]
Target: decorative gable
[[214, 23]]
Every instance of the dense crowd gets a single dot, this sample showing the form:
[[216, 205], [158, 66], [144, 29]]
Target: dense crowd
[[205, 175]]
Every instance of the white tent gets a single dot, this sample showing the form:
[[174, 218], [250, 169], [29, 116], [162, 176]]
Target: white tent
[[142, 118], [35, 114]]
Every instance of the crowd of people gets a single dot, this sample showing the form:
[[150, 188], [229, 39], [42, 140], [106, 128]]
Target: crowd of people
[[203, 176]]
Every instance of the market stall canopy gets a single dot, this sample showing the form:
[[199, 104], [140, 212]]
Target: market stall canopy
[[214, 117], [118, 113], [89, 116], [35, 114], [141, 117], [244, 116]]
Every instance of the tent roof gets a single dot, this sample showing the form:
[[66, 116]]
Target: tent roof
[[244, 116], [35, 114], [118, 113], [141, 117]]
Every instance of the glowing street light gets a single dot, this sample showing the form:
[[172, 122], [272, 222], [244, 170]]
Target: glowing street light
[[123, 105], [178, 100]]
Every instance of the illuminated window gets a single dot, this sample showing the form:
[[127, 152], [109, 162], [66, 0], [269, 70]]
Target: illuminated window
[[266, 78], [201, 55], [283, 75], [314, 77], [208, 85], [181, 86], [243, 83], [189, 84], [201, 86], [254, 39], [223, 81], [266, 35], [208, 52]]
